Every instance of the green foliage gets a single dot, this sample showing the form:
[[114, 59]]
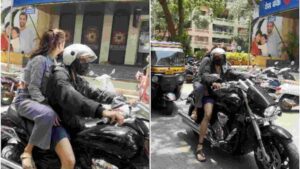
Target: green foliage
[[201, 23], [200, 54], [237, 58], [242, 42], [185, 40], [291, 45]]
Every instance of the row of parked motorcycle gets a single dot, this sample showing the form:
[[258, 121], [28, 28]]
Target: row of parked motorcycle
[[99, 145], [280, 83]]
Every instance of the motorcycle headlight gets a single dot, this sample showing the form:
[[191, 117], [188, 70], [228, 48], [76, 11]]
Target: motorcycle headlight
[[154, 79], [180, 78], [270, 111]]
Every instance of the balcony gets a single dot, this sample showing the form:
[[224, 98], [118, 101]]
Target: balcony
[[243, 25], [198, 32], [201, 42], [223, 21], [226, 35], [220, 44]]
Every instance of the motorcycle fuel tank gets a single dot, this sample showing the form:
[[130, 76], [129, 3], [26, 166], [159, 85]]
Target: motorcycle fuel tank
[[121, 141]]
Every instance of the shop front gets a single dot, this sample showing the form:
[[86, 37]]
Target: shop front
[[112, 29]]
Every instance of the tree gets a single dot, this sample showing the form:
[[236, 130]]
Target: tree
[[178, 15]]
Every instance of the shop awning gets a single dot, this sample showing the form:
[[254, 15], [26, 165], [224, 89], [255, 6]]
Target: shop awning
[[271, 7]]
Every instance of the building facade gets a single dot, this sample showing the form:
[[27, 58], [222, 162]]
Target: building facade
[[219, 32], [118, 32]]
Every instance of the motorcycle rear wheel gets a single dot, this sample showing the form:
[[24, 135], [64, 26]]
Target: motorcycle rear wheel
[[283, 153]]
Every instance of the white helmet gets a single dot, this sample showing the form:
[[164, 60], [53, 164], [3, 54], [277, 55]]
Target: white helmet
[[219, 51], [75, 51]]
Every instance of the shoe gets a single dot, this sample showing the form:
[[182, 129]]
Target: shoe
[[199, 153], [27, 161]]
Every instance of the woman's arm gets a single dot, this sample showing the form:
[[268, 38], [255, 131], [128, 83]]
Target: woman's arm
[[38, 67]]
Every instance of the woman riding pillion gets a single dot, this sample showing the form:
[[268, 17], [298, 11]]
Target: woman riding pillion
[[32, 103]]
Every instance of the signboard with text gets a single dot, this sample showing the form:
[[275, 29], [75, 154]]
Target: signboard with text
[[269, 7]]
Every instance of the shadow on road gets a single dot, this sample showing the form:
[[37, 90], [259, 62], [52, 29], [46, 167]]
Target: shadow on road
[[173, 146]]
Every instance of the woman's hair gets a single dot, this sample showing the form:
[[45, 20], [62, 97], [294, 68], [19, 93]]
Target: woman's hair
[[16, 29], [49, 41], [265, 36]]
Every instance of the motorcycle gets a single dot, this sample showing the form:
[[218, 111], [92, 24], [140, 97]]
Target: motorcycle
[[99, 145], [243, 121], [9, 85], [276, 72], [191, 70]]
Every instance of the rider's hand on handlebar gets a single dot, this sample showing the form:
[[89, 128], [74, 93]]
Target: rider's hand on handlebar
[[216, 85], [114, 116]]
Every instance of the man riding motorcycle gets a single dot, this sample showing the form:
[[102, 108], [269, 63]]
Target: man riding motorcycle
[[203, 86], [72, 97]]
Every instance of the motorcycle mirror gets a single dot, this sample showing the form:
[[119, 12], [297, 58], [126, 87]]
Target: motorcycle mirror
[[113, 72]]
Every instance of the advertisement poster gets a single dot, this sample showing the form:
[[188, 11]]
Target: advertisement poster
[[18, 24], [266, 37]]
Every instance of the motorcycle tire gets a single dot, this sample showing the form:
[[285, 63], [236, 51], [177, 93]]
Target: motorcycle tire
[[283, 149]]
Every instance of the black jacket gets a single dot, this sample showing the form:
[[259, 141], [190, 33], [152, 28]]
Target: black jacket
[[73, 100], [206, 69]]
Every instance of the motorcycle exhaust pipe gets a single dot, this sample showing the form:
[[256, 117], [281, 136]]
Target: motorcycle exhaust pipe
[[187, 120], [9, 164]]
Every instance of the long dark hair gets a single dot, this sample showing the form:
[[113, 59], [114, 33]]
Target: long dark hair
[[50, 40]]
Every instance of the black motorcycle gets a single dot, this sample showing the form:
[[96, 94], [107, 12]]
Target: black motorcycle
[[242, 122], [99, 145], [8, 87], [191, 70]]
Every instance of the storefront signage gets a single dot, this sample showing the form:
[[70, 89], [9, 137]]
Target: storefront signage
[[32, 2], [269, 7], [30, 10]]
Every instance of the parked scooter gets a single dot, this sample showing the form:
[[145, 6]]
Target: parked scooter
[[276, 72], [242, 122]]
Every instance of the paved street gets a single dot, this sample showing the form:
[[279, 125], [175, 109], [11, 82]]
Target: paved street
[[173, 144]]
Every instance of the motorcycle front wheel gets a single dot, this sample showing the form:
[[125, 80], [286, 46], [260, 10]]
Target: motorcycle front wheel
[[283, 154]]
